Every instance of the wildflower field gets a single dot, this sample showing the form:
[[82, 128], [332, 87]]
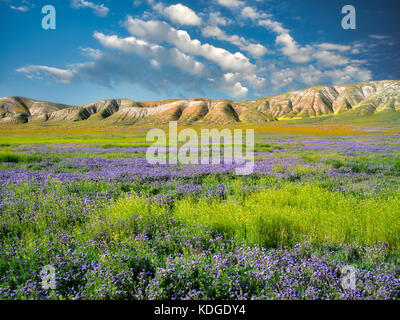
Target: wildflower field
[[116, 227]]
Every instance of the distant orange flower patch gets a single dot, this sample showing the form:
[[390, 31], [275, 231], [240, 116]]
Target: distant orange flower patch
[[312, 130]]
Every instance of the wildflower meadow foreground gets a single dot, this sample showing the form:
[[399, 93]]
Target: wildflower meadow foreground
[[317, 219], [221, 152]]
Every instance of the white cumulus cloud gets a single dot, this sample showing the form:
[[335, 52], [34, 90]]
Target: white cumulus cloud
[[38, 71], [231, 3], [160, 54], [90, 52], [333, 47], [180, 14], [20, 8], [159, 31], [252, 13], [254, 49], [232, 86], [99, 9]]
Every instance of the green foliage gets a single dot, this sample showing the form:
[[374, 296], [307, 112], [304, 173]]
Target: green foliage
[[123, 225], [284, 215], [9, 156], [396, 166], [262, 147], [336, 163]]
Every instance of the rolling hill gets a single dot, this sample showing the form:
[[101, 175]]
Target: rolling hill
[[366, 98]]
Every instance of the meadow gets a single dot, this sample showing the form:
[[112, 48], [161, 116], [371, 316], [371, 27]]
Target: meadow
[[321, 197]]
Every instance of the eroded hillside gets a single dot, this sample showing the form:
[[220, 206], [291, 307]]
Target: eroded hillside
[[360, 99]]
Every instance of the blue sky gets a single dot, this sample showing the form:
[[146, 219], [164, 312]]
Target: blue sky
[[150, 50]]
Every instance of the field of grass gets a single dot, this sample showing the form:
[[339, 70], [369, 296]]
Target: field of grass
[[282, 215], [86, 201]]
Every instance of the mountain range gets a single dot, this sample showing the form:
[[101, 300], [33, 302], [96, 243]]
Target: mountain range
[[359, 99]]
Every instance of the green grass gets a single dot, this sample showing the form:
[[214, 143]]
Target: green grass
[[278, 216], [284, 215], [106, 138], [13, 157], [104, 221]]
